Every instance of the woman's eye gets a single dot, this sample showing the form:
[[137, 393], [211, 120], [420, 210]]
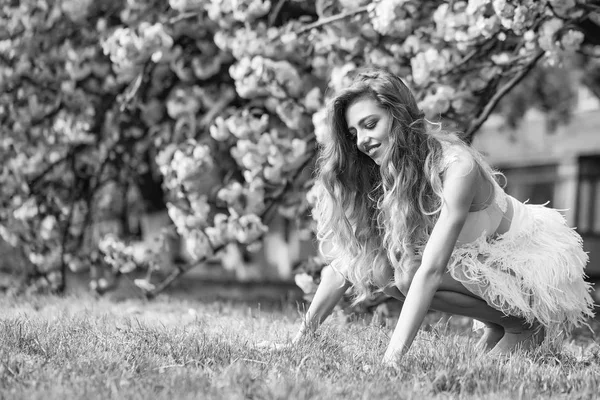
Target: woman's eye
[[371, 125]]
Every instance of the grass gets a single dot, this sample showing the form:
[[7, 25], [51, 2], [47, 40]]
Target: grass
[[83, 347]]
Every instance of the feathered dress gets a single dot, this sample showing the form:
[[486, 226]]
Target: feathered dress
[[534, 270]]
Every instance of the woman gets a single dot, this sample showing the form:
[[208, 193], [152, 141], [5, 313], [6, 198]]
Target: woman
[[419, 214]]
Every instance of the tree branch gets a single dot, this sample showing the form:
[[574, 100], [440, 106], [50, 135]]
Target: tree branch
[[331, 19], [275, 13], [52, 113], [182, 16], [209, 116], [63, 251], [134, 87], [489, 107], [34, 181]]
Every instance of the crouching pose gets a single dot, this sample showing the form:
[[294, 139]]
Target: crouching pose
[[419, 214]]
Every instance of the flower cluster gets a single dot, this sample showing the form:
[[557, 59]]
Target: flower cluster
[[263, 152], [269, 42], [270, 157], [394, 18], [202, 239], [128, 48], [518, 16], [246, 229], [187, 5], [437, 102], [465, 24], [229, 12], [82, 63], [556, 41], [243, 199], [259, 76], [124, 258], [197, 244], [73, 129], [184, 166], [341, 76], [184, 101], [76, 10], [319, 119], [118, 255], [428, 63], [243, 124], [196, 218]]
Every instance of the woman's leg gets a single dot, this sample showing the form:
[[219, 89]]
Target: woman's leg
[[452, 299], [517, 333], [502, 332]]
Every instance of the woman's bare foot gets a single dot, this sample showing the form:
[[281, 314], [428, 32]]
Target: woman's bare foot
[[492, 334], [524, 339]]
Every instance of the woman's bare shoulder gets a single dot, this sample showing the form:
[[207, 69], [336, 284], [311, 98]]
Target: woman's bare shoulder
[[457, 161]]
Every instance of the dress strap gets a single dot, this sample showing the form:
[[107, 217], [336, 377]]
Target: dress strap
[[500, 195]]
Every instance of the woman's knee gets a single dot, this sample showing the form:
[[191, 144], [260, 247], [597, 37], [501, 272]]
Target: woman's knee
[[391, 281], [382, 277], [391, 291], [403, 282], [385, 280]]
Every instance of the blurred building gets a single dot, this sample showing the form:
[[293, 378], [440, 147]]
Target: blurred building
[[560, 167]]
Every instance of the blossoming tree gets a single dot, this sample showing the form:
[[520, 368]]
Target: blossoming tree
[[159, 96]]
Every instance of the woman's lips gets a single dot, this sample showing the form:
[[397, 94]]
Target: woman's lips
[[371, 149]]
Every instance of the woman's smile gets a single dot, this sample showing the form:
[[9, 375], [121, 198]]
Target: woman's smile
[[370, 149]]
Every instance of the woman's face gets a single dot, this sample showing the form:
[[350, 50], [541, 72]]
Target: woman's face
[[369, 125]]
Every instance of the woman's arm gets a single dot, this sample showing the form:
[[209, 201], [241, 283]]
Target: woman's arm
[[331, 289], [460, 184]]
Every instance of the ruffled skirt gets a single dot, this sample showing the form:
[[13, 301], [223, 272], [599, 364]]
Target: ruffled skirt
[[534, 271]]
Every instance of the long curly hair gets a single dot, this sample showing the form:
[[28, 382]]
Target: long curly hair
[[370, 216]]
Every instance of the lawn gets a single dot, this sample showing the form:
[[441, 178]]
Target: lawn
[[80, 346]]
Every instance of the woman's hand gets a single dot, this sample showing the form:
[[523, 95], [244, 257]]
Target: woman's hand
[[330, 291], [391, 358], [302, 333]]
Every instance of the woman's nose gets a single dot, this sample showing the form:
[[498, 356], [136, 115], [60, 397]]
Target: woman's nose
[[361, 140]]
